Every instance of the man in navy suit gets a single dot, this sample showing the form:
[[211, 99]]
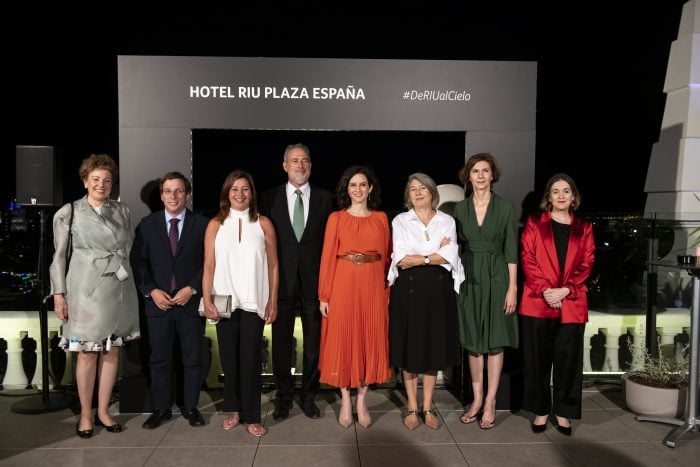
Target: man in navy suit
[[167, 258], [299, 212]]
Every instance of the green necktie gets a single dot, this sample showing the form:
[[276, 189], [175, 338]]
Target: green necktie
[[298, 217]]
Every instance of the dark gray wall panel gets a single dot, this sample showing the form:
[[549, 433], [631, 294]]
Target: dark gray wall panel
[[511, 150], [156, 111]]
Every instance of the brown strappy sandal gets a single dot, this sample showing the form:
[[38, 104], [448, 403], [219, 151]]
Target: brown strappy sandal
[[433, 422], [410, 424]]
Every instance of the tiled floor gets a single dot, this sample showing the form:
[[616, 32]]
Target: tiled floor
[[608, 435]]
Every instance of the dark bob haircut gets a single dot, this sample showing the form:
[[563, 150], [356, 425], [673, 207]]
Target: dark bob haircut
[[471, 162]]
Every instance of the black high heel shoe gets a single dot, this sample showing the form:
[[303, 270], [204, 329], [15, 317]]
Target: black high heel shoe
[[564, 430], [116, 428], [85, 434], [538, 428]]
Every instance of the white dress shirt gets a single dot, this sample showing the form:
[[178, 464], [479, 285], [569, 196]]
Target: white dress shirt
[[412, 237]]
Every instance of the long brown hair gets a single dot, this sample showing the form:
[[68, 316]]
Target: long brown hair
[[225, 204], [545, 205]]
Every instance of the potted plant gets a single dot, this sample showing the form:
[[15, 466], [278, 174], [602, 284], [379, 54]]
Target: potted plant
[[657, 385]]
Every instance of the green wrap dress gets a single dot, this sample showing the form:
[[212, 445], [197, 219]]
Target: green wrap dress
[[485, 252]]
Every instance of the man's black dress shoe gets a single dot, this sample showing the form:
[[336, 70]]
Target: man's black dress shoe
[[116, 428], [82, 433], [538, 428], [310, 409], [156, 418], [281, 410], [193, 416]]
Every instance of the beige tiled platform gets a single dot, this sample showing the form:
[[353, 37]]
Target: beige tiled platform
[[608, 435]]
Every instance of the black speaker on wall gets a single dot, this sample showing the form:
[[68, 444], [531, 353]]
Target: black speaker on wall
[[37, 176]]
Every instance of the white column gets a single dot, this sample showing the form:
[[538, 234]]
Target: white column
[[638, 349], [612, 345], [675, 158], [589, 332], [667, 334], [34, 333], [14, 378]]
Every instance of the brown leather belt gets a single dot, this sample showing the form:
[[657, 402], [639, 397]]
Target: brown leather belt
[[361, 258]]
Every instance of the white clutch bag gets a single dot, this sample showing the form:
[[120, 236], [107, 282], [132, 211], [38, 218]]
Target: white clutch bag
[[222, 304]]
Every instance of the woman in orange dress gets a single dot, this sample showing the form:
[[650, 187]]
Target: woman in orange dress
[[353, 293]]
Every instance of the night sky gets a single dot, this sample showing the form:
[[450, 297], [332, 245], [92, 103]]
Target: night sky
[[600, 72]]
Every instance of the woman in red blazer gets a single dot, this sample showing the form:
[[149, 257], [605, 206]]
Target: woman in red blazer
[[557, 257]]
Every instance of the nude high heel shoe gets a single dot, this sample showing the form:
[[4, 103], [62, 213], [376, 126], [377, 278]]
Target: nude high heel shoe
[[345, 423], [364, 421]]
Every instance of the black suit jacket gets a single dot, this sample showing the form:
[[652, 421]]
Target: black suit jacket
[[154, 264], [304, 255]]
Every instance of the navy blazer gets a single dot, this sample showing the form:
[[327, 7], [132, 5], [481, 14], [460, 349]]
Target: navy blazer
[[302, 256], [153, 262]]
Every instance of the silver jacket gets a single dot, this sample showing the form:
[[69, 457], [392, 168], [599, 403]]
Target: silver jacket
[[99, 287]]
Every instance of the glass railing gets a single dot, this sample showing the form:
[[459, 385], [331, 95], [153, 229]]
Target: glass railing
[[624, 294], [627, 295]]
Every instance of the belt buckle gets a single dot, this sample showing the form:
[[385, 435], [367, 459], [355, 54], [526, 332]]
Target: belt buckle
[[358, 258]]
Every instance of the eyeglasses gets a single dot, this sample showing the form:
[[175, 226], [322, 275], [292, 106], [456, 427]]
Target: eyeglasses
[[177, 191]]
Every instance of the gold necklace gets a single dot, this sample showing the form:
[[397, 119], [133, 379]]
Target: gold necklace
[[425, 223]]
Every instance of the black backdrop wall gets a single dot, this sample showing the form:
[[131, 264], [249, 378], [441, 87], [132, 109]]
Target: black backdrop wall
[[392, 154]]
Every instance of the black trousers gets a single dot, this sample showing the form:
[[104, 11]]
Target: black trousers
[[240, 340], [548, 345], [283, 342], [161, 334]]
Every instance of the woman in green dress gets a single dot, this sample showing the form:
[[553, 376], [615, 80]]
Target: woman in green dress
[[489, 251]]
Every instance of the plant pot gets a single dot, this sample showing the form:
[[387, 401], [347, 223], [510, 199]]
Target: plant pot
[[654, 402]]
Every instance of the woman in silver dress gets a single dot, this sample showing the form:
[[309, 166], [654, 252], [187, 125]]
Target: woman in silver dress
[[94, 294]]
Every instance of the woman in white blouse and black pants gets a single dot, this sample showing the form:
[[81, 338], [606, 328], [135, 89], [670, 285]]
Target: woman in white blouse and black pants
[[425, 275]]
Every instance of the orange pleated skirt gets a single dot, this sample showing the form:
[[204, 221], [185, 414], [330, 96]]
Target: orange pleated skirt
[[354, 336]]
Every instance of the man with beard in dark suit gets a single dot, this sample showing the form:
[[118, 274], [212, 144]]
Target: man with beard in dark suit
[[299, 212], [167, 259]]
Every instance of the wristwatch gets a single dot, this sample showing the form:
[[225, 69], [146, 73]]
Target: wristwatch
[[194, 291], [426, 260]]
